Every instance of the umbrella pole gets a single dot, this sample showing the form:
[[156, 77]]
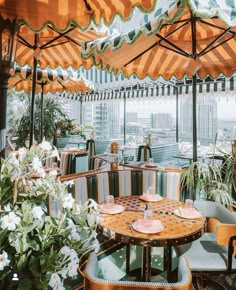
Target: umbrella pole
[[124, 119], [36, 38], [177, 115], [81, 110], [41, 114], [194, 86], [194, 119], [4, 76]]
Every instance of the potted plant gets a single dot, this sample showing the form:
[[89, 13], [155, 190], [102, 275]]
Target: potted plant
[[210, 181], [38, 250]]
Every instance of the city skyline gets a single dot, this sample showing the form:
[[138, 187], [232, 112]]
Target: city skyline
[[225, 108]]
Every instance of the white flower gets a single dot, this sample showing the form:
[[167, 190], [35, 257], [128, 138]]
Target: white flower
[[74, 235], [68, 201], [55, 153], [10, 221], [54, 279], [37, 212], [52, 173], [92, 204], [7, 207], [73, 256], [3, 260], [91, 219], [65, 251], [45, 145], [21, 153], [69, 183], [63, 273], [72, 267], [59, 286], [36, 163], [13, 160], [41, 172]]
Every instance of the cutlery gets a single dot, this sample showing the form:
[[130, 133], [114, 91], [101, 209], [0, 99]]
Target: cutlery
[[129, 224]]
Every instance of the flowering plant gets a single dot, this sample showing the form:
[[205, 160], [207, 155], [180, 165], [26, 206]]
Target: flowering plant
[[37, 250], [67, 127]]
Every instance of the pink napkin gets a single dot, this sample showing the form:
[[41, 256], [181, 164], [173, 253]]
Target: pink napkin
[[189, 212]]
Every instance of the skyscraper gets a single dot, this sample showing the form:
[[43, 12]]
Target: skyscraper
[[206, 119]]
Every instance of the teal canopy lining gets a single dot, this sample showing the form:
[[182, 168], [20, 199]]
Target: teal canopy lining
[[149, 92]]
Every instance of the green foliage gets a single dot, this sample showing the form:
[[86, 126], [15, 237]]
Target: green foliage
[[33, 243], [214, 179], [20, 120]]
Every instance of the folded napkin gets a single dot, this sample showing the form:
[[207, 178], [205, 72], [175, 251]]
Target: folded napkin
[[188, 212]]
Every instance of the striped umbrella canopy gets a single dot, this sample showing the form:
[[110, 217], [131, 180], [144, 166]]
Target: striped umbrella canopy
[[37, 14], [61, 16], [52, 48], [193, 38], [49, 80], [164, 46]]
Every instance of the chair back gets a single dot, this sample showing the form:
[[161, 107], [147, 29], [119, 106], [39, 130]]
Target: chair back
[[92, 280], [215, 210], [144, 153]]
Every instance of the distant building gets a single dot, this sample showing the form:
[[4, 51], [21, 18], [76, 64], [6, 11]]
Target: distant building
[[206, 119], [105, 117], [162, 121], [131, 117], [233, 133]]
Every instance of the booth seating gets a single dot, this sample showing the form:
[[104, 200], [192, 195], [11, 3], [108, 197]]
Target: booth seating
[[126, 182], [98, 184], [73, 161]]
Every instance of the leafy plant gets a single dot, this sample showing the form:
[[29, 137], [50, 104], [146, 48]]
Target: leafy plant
[[20, 120], [42, 249], [212, 179]]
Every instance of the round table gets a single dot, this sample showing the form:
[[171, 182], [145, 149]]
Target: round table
[[177, 231]]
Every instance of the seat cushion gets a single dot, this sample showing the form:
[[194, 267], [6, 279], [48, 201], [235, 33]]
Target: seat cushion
[[205, 254]]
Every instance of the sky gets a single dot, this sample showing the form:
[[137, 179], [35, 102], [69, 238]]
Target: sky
[[225, 109]]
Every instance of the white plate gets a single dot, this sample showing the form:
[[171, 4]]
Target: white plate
[[187, 213], [113, 209], [140, 226], [151, 197]]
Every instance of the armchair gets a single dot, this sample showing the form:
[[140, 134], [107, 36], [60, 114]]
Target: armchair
[[214, 252], [94, 282]]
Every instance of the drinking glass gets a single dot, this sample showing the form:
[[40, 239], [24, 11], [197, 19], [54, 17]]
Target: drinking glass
[[188, 203], [109, 200]]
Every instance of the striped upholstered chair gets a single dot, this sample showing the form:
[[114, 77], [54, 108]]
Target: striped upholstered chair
[[93, 281], [144, 153]]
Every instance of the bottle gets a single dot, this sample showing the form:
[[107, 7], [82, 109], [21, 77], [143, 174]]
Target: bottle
[[147, 212]]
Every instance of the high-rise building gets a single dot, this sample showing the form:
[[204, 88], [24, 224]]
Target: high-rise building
[[105, 118], [162, 121], [206, 119]]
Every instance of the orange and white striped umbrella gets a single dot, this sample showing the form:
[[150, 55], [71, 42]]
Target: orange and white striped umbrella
[[166, 46], [60, 14], [53, 49]]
